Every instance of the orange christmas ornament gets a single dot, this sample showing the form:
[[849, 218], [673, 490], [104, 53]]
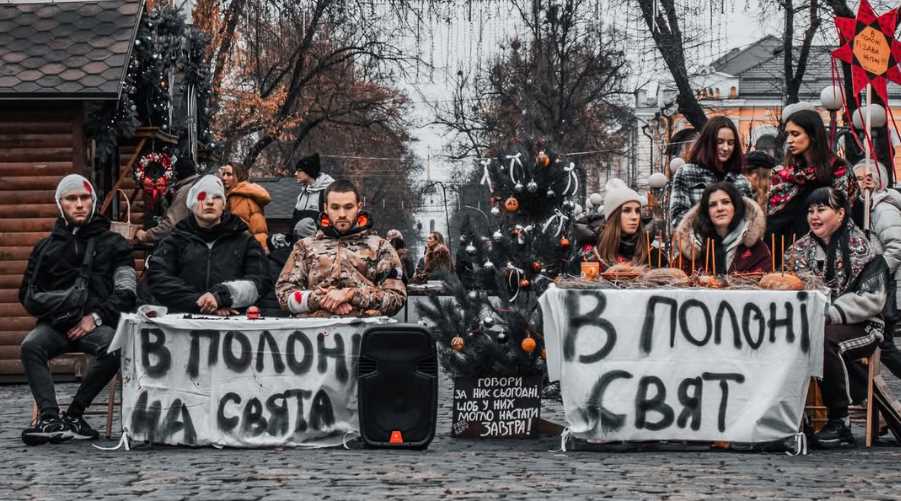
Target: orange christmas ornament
[[511, 205], [528, 345], [564, 242], [457, 343]]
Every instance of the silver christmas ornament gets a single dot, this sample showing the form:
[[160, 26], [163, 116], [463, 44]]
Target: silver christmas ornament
[[473, 295], [502, 337], [495, 211], [488, 265], [497, 235], [532, 186], [470, 249], [551, 193], [518, 187], [487, 320]]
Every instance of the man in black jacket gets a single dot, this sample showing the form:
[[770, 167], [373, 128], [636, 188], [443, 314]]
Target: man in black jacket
[[210, 264], [58, 263]]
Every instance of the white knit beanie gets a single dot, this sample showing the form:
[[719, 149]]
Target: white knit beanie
[[207, 186], [616, 194], [75, 183]]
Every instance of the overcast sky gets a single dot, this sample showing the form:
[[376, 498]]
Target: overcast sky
[[741, 28]]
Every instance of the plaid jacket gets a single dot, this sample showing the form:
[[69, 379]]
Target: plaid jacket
[[689, 183]]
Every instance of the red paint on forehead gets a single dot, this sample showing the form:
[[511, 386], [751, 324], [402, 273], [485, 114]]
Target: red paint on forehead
[[87, 186], [201, 196]]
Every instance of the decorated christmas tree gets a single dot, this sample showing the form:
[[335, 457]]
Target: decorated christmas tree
[[532, 192]]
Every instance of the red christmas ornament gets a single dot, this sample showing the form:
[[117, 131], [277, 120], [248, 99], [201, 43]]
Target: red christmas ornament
[[524, 283], [536, 266], [253, 313]]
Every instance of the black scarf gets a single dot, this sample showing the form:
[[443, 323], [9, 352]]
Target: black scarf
[[628, 244]]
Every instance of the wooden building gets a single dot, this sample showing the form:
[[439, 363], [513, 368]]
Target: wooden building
[[55, 60]]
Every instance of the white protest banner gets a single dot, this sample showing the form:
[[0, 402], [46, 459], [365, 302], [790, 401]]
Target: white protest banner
[[683, 364], [238, 382]]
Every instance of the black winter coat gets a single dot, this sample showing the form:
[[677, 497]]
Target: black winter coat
[[63, 257], [193, 261]]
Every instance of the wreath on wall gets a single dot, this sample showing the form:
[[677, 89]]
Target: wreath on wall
[[154, 173]]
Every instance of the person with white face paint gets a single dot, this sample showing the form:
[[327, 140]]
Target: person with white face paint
[[211, 264], [715, 157], [77, 282], [839, 253]]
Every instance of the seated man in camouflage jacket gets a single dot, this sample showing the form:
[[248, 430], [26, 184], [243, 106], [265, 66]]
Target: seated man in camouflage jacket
[[343, 269]]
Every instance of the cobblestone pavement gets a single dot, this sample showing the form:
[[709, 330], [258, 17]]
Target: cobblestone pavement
[[450, 468]]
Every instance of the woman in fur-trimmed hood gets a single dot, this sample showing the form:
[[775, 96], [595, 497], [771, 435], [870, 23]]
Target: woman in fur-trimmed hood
[[736, 226]]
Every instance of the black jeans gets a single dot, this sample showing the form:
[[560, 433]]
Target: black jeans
[[843, 345], [44, 343]]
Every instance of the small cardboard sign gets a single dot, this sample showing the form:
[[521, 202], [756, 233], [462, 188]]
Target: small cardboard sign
[[496, 407]]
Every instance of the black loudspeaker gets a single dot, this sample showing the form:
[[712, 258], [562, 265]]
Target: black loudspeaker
[[397, 387]]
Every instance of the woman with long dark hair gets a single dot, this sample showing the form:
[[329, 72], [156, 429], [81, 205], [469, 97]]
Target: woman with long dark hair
[[838, 252], [715, 157], [809, 164], [734, 224]]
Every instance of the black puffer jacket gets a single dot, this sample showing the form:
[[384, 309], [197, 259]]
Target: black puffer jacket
[[111, 287], [224, 260]]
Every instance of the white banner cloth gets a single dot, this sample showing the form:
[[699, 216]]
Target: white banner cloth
[[683, 364], [240, 383]]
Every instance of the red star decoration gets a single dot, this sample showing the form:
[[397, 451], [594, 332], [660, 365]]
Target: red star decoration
[[875, 32]]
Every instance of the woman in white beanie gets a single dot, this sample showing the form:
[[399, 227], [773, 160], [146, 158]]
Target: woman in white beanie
[[623, 239]]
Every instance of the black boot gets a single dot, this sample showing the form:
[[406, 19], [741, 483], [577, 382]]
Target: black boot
[[833, 435]]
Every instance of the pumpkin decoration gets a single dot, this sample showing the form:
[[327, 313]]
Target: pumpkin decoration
[[457, 344], [528, 345], [564, 242], [511, 205], [543, 160]]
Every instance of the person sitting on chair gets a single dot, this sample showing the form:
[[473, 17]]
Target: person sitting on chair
[[344, 269], [211, 264], [77, 282], [839, 253]]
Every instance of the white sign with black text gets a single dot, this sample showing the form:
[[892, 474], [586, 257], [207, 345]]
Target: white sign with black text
[[683, 364], [240, 383]]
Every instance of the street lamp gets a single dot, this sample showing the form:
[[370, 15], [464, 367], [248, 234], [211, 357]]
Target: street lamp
[[877, 116], [831, 99]]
